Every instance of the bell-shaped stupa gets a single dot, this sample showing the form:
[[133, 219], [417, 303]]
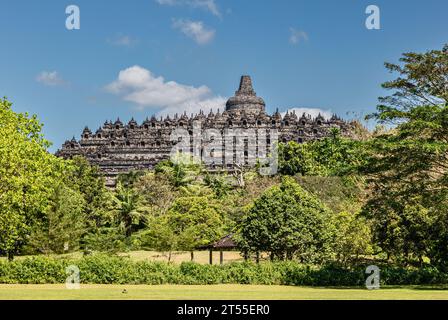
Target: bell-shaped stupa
[[246, 99]]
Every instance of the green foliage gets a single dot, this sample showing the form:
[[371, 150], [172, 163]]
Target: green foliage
[[129, 179], [89, 181], [127, 210], [219, 184], [181, 172], [27, 175], [156, 193], [421, 82], [61, 229], [105, 239], [36, 270], [327, 157], [160, 236], [289, 222], [353, 237], [297, 158], [408, 166], [105, 269], [337, 193], [198, 219], [191, 222]]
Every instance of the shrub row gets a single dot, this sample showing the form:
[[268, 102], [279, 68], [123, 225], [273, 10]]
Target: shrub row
[[103, 269]]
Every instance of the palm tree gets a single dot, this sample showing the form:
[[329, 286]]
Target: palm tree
[[181, 170], [127, 209]]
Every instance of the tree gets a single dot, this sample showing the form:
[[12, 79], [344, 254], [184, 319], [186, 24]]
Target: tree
[[27, 176], [127, 210], [156, 193], [192, 222], [330, 156], [197, 219], [89, 181], [353, 237], [181, 170], [288, 222], [337, 156], [160, 236], [408, 165], [220, 184], [64, 223], [296, 158]]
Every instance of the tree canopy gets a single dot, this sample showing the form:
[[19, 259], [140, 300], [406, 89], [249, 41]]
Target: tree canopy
[[288, 222], [408, 165], [27, 174]]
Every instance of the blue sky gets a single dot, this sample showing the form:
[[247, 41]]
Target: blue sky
[[183, 54]]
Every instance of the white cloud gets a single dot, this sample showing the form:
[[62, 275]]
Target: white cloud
[[122, 40], [168, 2], [297, 35], [50, 78], [208, 5], [195, 30], [314, 112], [142, 87]]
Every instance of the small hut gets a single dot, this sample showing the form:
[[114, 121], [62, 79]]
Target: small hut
[[225, 243]]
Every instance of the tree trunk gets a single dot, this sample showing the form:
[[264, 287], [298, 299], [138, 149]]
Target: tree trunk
[[10, 255]]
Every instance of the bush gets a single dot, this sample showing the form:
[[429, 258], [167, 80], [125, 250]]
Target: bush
[[36, 270], [105, 240], [108, 269]]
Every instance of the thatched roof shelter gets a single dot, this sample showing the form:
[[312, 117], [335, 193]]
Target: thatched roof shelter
[[226, 242]]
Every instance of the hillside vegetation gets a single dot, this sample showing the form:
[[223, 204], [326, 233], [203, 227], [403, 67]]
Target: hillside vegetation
[[334, 202]]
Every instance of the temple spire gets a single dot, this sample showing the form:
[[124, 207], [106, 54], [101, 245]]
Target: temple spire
[[246, 87]]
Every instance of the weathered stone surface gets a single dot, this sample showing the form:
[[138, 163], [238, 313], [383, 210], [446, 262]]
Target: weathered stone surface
[[246, 99], [117, 147]]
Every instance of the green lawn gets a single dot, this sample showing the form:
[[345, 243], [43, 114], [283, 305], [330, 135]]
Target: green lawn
[[201, 257], [218, 292]]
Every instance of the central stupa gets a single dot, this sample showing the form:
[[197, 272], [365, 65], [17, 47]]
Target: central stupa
[[246, 99]]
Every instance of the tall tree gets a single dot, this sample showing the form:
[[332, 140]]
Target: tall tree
[[89, 181], [63, 225], [127, 209], [408, 165], [27, 176]]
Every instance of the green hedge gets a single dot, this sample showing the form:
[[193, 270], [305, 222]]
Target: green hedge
[[103, 269]]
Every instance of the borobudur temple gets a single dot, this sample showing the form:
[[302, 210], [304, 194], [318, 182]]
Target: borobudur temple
[[119, 148]]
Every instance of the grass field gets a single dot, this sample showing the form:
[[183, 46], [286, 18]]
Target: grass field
[[218, 292], [176, 257]]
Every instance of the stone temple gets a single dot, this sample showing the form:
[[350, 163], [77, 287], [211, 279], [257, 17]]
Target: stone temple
[[118, 148]]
